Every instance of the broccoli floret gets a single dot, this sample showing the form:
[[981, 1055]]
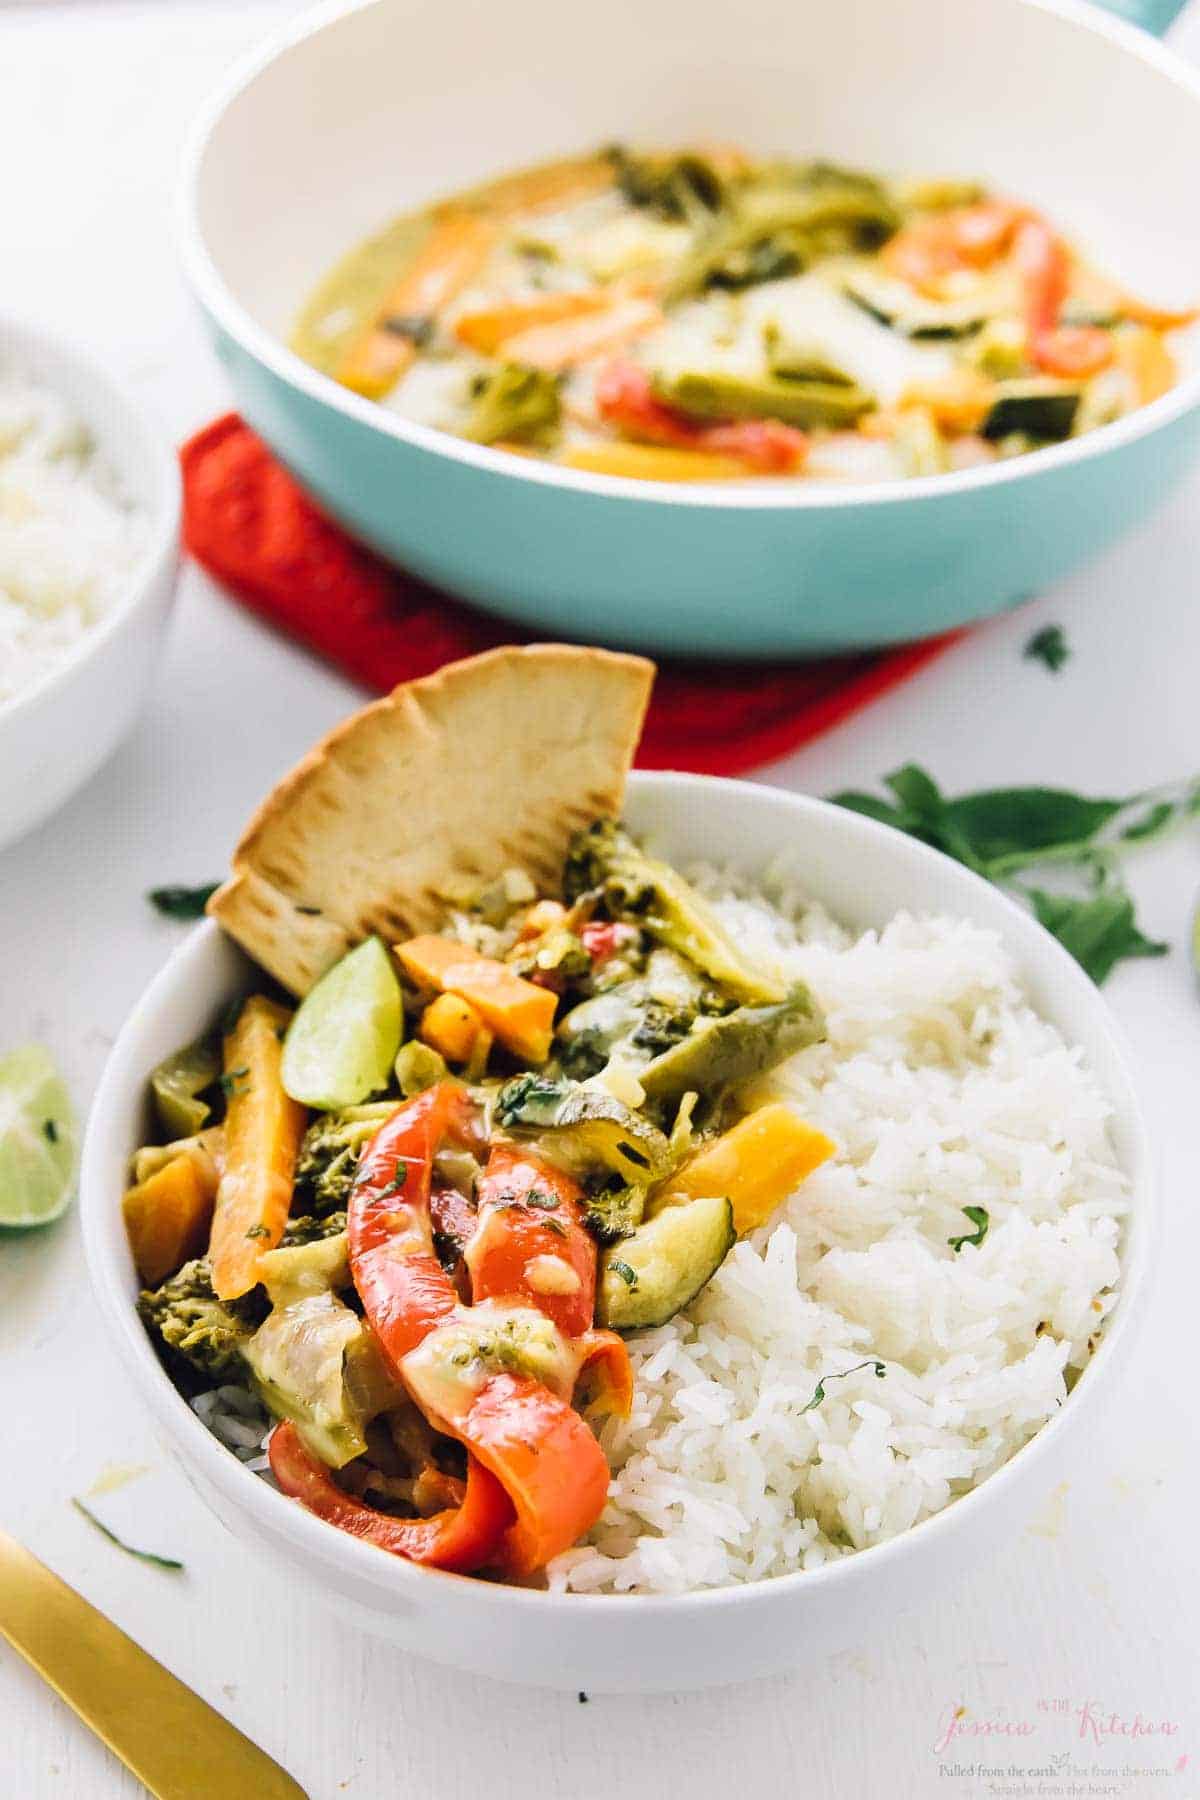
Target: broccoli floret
[[188, 1320], [612, 1208], [328, 1159], [306, 1229]]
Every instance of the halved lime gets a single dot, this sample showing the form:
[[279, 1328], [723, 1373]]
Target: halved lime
[[38, 1138], [343, 1040]]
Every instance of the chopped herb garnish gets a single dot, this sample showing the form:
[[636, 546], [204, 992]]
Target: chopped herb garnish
[[627, 1275], [978, 1216], [231, 1015], [556, 1226], [634, 1156], [1001, 832], [1049, 646], [416, 327], [397, 1182], [310, 912], [228, 1083], [546, 1202], [146, 1556], [183, 902], [818, 1393], [258, 1231], [583, 1699], [50, 1131]]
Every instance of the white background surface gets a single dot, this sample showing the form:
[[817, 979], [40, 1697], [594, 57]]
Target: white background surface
[[1096, 1599]]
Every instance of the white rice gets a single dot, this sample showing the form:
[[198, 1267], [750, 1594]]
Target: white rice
[[942, 1089], [68, 538]]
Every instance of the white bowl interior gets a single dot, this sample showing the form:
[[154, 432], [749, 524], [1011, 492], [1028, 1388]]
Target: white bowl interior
[[864, 873], [144, 462], [1044, 98]]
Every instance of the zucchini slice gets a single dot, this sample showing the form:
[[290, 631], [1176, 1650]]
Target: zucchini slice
[[649, 1277], [1038, 409], [893, 304]]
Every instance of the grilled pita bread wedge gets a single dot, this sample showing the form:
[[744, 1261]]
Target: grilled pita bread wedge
[[490, 764]]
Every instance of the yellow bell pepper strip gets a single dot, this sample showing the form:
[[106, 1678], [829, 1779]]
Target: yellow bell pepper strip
[[462, 1538], [1144, 357], [263, 1128], [532, 1240], [1071, 351], [520, 1013], [755, 1165], [167, 1218], [652, 462], [533, 1442]]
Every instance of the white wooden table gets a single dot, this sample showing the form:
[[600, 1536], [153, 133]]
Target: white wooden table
[[1095, 1601]]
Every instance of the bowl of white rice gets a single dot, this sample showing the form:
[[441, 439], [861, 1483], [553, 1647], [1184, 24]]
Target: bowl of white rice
[[89, 533], [878, 1386]]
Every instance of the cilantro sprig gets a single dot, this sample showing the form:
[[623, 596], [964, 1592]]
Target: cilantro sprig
[[1002, 833]]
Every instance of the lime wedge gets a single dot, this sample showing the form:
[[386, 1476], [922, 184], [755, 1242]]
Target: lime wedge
[[343, 1040], [38, 1138]]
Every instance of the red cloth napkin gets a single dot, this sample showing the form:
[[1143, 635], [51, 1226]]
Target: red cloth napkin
[[254, 529]]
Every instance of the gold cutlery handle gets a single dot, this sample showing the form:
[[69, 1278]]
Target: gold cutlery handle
[[174, 1742]]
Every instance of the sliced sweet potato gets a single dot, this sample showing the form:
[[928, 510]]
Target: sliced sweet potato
[[490, 328], [755, 1165], [518, 1012], [167, 1217], [263, 1128]]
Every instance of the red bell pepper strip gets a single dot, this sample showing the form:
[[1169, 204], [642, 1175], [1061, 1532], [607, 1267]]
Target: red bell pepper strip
[[404, 1289], [600, 939], [529, 1211], [940, 244], [539, 1449], [463, 1538], [547, 1461], [625, 397], [1071, 351], [605, 1360]]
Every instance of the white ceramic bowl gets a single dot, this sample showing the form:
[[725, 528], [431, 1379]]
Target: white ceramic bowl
[[864, 872], [56, 733]]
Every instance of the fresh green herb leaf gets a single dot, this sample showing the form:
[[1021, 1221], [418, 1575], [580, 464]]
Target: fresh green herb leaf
[[183, 902], [818, 1393], [627, 1275], [50, 1131], [978, 1216], [396, 1184], [544, 1202], [1099, 932], [1155, 819], [556, 1226], [1049, 646], [146, 1556], [1000, 832]]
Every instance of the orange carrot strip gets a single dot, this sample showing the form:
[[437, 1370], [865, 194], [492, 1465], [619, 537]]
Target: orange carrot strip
[[263, 1128]]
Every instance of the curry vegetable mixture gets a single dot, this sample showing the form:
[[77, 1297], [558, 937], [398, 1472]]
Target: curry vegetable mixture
[[704, 315], [416, 1213]]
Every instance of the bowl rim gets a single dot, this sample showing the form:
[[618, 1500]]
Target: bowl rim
[[391, 1579], [163, 513], [223, 306]]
